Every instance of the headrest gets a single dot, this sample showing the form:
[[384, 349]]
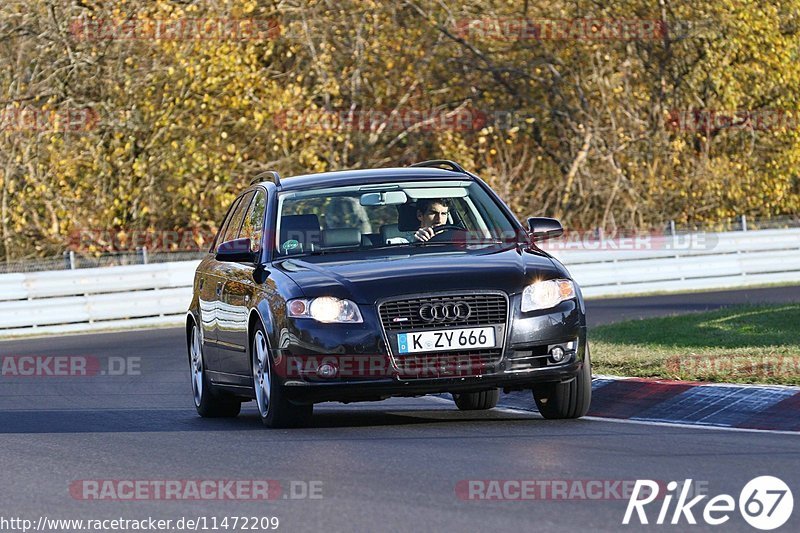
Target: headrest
[[341, 237], [407, 217], [389, 231]]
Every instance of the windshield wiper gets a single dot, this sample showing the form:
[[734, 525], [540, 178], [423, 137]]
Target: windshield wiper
[[471, 243], [388, 246], [392, 246], [322, 252], [430, 243]]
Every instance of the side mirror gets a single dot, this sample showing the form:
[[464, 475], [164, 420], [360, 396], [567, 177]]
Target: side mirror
[[236, 251], [543, 228]]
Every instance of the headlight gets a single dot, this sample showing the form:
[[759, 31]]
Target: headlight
[[325, 309], [547, 294]]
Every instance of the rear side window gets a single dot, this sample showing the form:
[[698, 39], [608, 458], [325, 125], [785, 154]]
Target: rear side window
[[253, 226]]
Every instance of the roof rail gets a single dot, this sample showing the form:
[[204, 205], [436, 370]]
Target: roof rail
[[276, 178], [435, 163]]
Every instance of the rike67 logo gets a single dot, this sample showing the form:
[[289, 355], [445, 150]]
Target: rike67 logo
[[765, 503]]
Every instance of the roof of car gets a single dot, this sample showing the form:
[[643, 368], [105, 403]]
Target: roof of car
[[374, 175]]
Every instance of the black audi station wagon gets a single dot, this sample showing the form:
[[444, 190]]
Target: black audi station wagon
[[362, 285]]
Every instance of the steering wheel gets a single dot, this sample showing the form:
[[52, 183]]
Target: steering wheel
[[444, 228]]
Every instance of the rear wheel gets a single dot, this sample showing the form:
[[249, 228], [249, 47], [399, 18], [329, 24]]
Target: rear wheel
[[275, 409], [477, 401], [566, 400], [208, 402]]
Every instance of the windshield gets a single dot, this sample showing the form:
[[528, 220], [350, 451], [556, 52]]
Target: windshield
[[380, 217]]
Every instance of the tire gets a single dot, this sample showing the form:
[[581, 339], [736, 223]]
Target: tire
[[275, 410], [477, 401], [208, 402], [566, 400]]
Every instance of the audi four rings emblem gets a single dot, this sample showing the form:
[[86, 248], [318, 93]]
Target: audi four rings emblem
[[445, 311]]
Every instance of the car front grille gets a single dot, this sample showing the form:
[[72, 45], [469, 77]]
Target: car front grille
[[403, 315], [486, 309]]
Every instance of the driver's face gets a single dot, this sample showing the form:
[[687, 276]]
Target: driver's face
[[436, 215]]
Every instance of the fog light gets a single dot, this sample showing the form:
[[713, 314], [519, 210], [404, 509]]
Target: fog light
[[557, 354], [326, 370]]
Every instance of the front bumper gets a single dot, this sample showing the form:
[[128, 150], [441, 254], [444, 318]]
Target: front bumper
[[374, 390], [367, 371]]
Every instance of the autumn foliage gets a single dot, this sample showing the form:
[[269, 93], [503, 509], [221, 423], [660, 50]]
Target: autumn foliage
[[146, 115]]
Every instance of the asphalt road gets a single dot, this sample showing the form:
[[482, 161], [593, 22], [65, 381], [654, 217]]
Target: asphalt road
[[398, 465]]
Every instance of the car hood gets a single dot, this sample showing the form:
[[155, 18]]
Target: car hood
[[367, 280]]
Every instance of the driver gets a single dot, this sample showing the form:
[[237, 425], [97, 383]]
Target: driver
[[430, 212]]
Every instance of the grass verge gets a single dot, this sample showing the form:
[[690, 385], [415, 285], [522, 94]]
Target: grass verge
[[743, 344]]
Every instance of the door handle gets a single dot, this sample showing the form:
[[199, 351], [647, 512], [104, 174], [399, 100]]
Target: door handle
[[201, 283], [219, 288]]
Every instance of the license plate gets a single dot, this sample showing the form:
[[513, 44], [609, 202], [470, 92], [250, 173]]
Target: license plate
[[445, 340]]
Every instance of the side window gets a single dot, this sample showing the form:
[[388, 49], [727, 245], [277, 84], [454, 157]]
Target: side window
[[253, 227], [232, 231], [224, 226], [463, 213]]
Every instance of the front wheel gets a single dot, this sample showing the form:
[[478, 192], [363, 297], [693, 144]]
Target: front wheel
[[275, 409], [477, 401], [566, 400], [208, 402]]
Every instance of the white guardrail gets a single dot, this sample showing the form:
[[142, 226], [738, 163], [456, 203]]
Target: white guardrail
[[159, 294]]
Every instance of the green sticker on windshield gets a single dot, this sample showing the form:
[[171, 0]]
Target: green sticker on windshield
[[290, 245]]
